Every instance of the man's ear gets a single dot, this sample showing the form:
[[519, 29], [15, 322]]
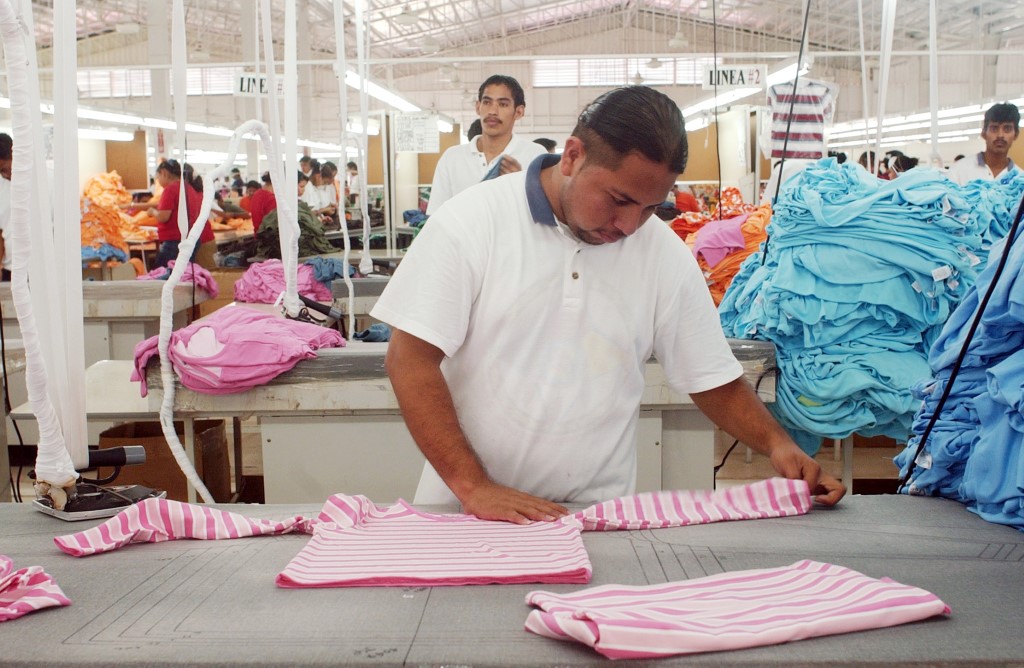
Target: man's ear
[[520, 112], [572, 156]]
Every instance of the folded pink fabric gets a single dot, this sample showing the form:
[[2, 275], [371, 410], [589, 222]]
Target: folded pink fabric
[[262, 283], [776, 497], [728, 611], [159, 520], [356, 544], [193, 273], [26, 590], [719, 238], [235, 349]]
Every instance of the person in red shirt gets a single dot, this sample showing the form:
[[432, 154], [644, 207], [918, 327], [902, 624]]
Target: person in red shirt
[[262, 202], [251, 188], [168, 175], [685, 200]]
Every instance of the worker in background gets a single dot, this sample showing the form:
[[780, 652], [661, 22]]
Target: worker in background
[[6, 160], [685, 200], [999, 130], [169, 176], [519, 373], [497, 151]]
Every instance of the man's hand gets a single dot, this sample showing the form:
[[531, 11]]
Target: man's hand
[[795, 464], [509, 165], [491, 501]]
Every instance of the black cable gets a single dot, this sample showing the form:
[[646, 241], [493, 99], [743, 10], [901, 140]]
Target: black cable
[[975, 323], [789, 125], [15, 482], [774, 370]]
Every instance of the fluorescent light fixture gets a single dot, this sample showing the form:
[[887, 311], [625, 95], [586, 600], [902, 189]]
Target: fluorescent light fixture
[[109, 117], [698, 124], [380, 93], [323, 146], [355, 125], [106, 135], [444, 126]]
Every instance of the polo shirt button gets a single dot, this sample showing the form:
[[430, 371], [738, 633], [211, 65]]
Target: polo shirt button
[[575, 274]]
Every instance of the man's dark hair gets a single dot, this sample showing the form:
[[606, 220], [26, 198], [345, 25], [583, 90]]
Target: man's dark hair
[[305, 160], [302, 177], [352, 165], [6, 146], [1003, 112], [329, 169], [633, 119], [265, 177], [518, 96], [548, 144], [476, 129], [252, 184]]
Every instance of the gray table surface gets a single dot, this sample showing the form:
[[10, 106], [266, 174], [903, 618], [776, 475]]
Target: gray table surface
[[215, 603]]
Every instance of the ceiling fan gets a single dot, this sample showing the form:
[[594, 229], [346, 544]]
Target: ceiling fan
[[407, 17]]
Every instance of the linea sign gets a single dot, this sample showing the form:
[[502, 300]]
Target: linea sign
[[727, 77], [251, 84]]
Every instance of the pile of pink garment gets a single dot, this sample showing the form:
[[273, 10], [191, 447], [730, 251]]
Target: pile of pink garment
[[26, 590], [263, 283], [193, 274], [235, 349]]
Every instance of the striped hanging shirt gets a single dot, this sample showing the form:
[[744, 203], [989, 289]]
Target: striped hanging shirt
[[802, 117], [728, 611]]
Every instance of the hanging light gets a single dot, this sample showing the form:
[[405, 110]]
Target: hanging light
[[430, 44], [679, 40], [407, 17], [637, 79], [653, 64]]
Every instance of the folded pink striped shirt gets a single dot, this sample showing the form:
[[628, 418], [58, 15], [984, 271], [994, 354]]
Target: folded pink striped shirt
[[26, 590], [363, 545], [728, 611], [356, 543]]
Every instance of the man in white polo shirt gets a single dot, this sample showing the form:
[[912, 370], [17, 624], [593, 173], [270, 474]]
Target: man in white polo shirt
[[526, 310], [497, 151], [1000, 130]]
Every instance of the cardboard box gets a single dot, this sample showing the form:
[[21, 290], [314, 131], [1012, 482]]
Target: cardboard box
[[109, 272], [161, 470], [225, 278]]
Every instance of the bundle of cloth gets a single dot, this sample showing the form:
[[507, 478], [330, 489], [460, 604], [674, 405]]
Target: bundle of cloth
[[975, 450], [263, 282], [194, 274], [721, 239], [855, 284]]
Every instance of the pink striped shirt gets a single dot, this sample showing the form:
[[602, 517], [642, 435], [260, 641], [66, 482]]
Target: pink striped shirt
[[397, 546], [776, 497], [26, 590], [356, 543], [728, 611]]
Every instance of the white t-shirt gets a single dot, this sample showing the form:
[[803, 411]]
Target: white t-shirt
[[5, 219], [970, 168], [312, 196], [547, 337], [465, 165]]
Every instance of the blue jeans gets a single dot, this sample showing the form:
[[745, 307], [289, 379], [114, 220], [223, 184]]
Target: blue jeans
[[169, 251]]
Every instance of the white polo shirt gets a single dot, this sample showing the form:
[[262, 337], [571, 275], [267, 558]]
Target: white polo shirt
[[547, 337], [967, 169], [312, 196], [465, 165]]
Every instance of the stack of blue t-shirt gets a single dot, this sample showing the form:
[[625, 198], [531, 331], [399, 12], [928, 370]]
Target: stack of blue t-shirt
[[975, 452], [859, 277]]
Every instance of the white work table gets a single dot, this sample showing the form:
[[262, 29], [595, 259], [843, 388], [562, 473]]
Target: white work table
[[333, 424], [117, 314]]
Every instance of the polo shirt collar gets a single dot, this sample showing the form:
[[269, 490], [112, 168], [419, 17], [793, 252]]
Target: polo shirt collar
[[540, 208]]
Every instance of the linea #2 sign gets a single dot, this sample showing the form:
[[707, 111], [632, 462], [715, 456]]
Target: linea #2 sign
[[725, 77]]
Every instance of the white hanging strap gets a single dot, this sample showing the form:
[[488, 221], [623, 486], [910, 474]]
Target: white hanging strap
[[888, 26], [365, 262], [54, 467], [339, 73], [933, 82], [864, 78], [287, 207]]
